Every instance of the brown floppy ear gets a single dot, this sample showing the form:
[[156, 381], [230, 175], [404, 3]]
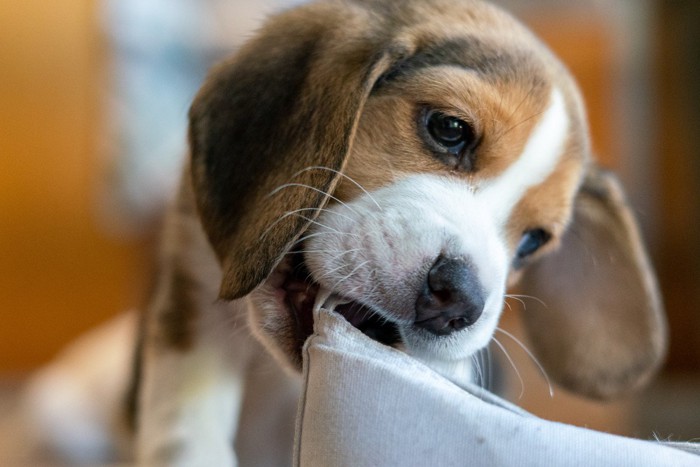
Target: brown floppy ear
[[600, 329], [264, 122]]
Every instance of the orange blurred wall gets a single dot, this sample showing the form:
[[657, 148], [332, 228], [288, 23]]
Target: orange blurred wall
[[59, 274]]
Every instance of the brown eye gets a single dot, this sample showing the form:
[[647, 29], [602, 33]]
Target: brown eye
[[449, 132], [531, 241]]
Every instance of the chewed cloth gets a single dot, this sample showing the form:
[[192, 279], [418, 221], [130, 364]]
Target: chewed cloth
[[366, 404]]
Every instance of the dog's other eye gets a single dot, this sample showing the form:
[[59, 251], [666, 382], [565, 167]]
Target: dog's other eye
[[449, 132], [532, 241]]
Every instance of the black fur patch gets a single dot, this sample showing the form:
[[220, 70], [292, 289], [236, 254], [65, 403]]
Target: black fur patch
[[490, 62], [240, 130]]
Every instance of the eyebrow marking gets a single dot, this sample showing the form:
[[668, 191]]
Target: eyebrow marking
[[467, 52]]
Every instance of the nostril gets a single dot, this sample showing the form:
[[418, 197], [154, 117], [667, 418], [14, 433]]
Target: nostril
[[452, 297]]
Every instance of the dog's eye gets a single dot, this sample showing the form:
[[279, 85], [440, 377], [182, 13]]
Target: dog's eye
[[532, 241], [449, 132]]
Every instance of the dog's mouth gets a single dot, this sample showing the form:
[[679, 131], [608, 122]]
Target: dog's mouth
[[298, 293]]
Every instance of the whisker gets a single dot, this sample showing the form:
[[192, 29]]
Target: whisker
[[353, 290], [296, 213], [479, 359], [370, 313], [325, 251], [486, 364], [489, 363], [512, 363], [479, 375], [540, 301], [309, 276], [328, 211], [510, 308], [316, 234], [532, 357], [350, 179], [371, 294], [320, 224], [303, 185], [327, 273], [359, 266], [515, 298]]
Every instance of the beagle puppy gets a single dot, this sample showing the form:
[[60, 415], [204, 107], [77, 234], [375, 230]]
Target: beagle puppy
[[407, 161]]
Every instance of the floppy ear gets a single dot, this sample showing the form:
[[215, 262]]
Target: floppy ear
[[285, 105], [600, 329]]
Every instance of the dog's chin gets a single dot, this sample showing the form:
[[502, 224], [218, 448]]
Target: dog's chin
[[282, 317], [455, 347]]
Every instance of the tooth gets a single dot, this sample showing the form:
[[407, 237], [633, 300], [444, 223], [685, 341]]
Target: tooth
[[326, 299], [322, 298]]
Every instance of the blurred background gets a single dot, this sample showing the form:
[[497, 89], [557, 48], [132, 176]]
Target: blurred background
[[93, 101]]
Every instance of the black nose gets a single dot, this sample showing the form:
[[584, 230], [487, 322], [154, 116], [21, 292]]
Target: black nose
[[452, 297]]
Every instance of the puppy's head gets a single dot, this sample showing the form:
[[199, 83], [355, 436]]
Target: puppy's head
[[416, 158]]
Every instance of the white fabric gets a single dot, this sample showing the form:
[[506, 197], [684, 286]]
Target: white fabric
[[366, 404]]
